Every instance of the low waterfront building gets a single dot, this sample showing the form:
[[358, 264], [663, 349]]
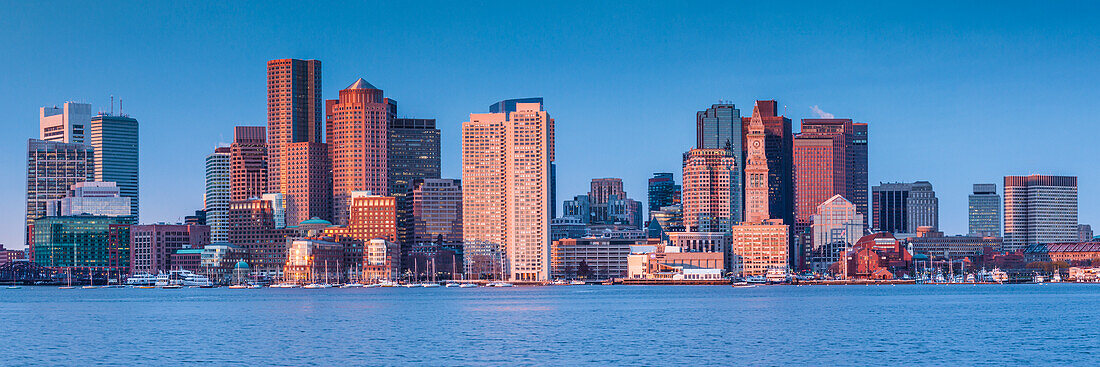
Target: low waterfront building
[[381, 260], [312, 260], [218, 261], [1070, 252], [252, 226], [935, 244], [189, 259], [658, 261], [877, 256], [590, 257], [82, 243], [152, 245], [7, 256]]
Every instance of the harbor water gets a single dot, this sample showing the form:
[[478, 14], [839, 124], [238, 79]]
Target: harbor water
[[556, 325]]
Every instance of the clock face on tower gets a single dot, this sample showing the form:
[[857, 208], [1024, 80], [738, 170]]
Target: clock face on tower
[[756, 144]]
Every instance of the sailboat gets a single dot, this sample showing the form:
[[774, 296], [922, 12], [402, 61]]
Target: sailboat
[[91, 281], [70, 284]]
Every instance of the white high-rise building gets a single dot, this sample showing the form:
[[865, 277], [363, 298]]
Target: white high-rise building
[[65, 124], [1039, 209], [506, 157], [216, 200]]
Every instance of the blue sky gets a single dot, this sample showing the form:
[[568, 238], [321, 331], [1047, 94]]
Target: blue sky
[[954, 93]]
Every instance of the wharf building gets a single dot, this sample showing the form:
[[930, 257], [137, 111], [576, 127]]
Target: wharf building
[[985, 211], [152, 245], [314, 260], [1073, 253], [356, 128], [1039, 209], [877, 256], [298, 161], [506, 191]]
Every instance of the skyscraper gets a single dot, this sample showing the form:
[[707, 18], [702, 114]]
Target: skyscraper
[[216, 200], [854, 138], [1039, 209], [889, 207], [293, 112], [709, 203], [720, 127], [52, 169], [248, 163], [985, 211], [821, 172], [506, 159], [901, 208], [356, 126], [663, 191], [115, 140], [413, 152], [66, 124], [923, 207], [779, 149]]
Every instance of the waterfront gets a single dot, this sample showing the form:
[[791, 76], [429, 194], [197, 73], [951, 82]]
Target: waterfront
[[568, 325]]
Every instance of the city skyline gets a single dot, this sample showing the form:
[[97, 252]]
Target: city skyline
[[182, 124]]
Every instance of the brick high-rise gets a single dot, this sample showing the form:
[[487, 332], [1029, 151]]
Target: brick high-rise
[[506, 158], [308, 182], [248, 163], [708, 200], [854, 136], [293, 112], [356, 126]]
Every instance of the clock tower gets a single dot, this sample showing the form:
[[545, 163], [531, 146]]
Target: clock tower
[[756, 171]]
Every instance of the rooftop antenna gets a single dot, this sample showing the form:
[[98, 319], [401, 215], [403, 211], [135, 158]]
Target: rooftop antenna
[[120, 106], [112, 104]]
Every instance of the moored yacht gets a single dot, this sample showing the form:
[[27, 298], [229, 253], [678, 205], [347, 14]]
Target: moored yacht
[[180, 278], [141, 279]]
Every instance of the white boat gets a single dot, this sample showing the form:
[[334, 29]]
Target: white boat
[[352, 285], [238, 286], [284, 285], [180, 277], [577, 282], [142, 279], [255, 286], [387, 284], [430, 285], [500, 284], [375, 285], [312, 286], [410, 285], [468, 285], [451, 285], [1057, 278], [172, 286], [777, 275], [1038, 278], [999, 275]]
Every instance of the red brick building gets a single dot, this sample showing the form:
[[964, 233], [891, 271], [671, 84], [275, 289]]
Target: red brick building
[[877, 256], [356, 127]]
